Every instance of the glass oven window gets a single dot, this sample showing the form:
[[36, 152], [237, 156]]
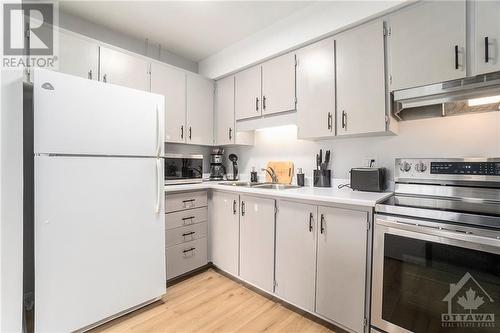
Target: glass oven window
[[183, 168], [432, 287]]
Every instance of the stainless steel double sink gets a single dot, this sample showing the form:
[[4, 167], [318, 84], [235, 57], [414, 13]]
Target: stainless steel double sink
[[270, 186]]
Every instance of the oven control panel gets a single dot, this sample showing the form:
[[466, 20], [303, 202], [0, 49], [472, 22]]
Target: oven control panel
[[448, 169], [466, 168]]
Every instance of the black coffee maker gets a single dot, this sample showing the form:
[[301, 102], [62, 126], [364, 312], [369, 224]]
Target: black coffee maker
[[217, 168]]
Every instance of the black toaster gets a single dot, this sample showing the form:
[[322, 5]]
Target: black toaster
[[368, 179]]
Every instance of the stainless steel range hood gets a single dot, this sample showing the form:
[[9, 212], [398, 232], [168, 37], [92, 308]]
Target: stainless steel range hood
[[446, 92]]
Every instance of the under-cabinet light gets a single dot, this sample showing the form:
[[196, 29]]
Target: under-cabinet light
[[483, 100]]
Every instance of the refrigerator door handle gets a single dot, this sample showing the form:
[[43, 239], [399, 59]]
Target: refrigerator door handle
[[158, 132], [158, 186]]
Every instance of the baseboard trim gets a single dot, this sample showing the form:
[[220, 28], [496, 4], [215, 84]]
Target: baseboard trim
[[190, 274]]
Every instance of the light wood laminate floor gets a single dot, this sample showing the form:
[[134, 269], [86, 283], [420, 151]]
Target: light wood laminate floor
[[211, 302]]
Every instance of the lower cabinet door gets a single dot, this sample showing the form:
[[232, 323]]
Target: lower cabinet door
[[224, 231], [257, 241], [296, 226], [185, 257], [341, 266]]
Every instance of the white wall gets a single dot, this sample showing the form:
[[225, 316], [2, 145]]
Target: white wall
[[472, 135], [11, 201], [81, 26], [310, 23]]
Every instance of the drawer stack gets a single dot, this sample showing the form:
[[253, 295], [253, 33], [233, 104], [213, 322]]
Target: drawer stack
[[186, 232]]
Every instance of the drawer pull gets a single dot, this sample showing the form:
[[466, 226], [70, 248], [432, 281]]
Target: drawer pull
[[188, 218], [188, 251], [188, 233], [186, 201]]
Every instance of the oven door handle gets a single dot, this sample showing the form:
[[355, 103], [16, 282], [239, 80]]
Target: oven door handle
[[469, 237]]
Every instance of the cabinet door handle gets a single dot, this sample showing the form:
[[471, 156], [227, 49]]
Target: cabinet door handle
[[263, 102], [344, 119], [105, 78], [257, 104], [456, 56], [90, 73], [329, 120], [190, 132], [322, 224], [486, 49], [230, 133], [243, 208], [234, 207], [182, 132], [310, 222]]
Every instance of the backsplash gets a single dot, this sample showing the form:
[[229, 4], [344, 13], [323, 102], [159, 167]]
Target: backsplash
[[474, 135]]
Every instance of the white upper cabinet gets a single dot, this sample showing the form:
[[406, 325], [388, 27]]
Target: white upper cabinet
[[316, 90], [278, 84], [361, 88], [427, 43], [341, 270], [248, 93], [124, 69], [224, 231], [171, 83], [257, 241], [200, 110], [487, 36], [224, 111], [78, 56], [296, 226]]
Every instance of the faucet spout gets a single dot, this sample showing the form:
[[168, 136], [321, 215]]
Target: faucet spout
[[272, 174]]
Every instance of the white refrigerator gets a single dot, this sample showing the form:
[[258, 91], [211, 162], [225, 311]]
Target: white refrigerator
[[99, 233]]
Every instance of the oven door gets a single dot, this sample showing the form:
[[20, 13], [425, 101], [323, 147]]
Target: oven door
[[434, 277]]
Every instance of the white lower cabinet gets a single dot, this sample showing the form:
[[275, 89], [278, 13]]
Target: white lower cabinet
[[257, 241], [341, 266], [296, 226], [224, 231]]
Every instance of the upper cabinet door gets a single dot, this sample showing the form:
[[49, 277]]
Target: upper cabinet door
[[78, 56], [124, 69], [316, 90], [171, 83], [341, 266], [278, 84], [224, 111], [248, 93], [361, 93], [427, 43], [200, 107], [487, 36]]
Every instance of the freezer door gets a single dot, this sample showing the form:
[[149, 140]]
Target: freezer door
[[99, 238], [76, 116]]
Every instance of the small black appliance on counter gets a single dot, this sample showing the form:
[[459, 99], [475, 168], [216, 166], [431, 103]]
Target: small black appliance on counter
[[368, 179]]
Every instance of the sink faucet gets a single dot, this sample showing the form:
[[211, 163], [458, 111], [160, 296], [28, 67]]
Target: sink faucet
[[271, 173]]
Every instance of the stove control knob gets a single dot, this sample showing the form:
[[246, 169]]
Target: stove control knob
[[420, 167], [404, 166]]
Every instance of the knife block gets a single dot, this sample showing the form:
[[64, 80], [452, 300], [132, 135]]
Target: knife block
[[322, 178]]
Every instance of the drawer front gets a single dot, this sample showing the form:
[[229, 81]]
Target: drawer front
[[185, 257], [185, 234], [185, 217], [189, 200]]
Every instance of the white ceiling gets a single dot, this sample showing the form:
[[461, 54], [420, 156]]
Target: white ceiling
[[192, 29]]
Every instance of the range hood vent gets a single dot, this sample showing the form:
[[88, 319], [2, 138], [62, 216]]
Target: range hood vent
[[446, 92]]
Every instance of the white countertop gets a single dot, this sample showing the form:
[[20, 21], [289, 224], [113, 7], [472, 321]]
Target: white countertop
[[329, 195]]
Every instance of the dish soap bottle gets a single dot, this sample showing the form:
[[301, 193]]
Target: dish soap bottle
[[253, 176]]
